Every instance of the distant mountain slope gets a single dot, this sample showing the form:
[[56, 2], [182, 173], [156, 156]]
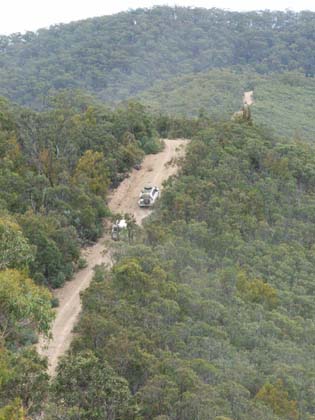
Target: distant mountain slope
[[284, 101], [218, 92], [119, 56]]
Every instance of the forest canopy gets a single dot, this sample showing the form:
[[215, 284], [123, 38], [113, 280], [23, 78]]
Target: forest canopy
[[56, 168], [282, 101], [116, 57], [209, 313], [208, 310], [55, 171]]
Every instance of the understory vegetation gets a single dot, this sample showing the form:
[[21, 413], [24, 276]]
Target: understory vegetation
[[208, 311], [117, 57], [209, 314], [56, 169], [175, 60], [282, 101]]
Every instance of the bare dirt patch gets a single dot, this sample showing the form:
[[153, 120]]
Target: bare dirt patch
[[248, 98]]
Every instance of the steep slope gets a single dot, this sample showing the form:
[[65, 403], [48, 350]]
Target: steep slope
[[212, 315], [154, 171], [118, 56], [218, 92], [283, 102]]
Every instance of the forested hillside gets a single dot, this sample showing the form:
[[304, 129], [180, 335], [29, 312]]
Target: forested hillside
[[208, 311], [56, 168], [118, 56], [283, 101], [210, 314]]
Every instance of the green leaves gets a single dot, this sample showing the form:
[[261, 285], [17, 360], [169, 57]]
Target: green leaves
[[116, 57], [12, 411], [25, 310], [15, 250], [91, 172], [91, 386], [212, 317], [278, 399], [55, 171], [28, 382], [23, 305], [256, 291]]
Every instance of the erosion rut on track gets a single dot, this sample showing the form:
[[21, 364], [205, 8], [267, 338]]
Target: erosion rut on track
[[155, 169]]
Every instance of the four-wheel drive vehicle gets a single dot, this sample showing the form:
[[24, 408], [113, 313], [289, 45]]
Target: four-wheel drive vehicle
[[118, 227], [148, 196]]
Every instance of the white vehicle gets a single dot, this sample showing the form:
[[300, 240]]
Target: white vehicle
[[118, 227], [148, 196]]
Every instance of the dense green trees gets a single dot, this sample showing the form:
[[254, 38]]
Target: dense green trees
[[209, 314], [15, 250], [55, 171], [118, 56], [176, 60], [283, 101], [25, 310], [24, 306], [106, 395]]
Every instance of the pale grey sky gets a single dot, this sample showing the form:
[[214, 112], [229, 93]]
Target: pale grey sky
[[23, 15]]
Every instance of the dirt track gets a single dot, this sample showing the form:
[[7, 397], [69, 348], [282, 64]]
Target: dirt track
[[248, 98], [155, 169]]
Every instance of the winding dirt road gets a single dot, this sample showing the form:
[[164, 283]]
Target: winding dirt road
[[155, 169]]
